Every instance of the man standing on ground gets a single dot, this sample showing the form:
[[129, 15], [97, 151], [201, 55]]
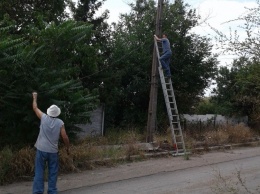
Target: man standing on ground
[[47, 147], [167, 53]]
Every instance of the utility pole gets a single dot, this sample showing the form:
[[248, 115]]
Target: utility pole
[[151, 122]]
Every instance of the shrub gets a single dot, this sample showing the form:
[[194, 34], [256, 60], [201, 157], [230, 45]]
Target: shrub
[[239, 133], [23, 162], [5, 165]]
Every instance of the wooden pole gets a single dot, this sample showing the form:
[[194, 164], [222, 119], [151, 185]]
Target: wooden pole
[[151, 121]]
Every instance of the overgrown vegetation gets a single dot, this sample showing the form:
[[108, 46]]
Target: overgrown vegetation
[[85, 154], [115, 148], [221, 135]]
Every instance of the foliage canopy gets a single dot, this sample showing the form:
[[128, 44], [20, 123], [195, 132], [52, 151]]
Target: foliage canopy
[[193, 65], [242, 79]]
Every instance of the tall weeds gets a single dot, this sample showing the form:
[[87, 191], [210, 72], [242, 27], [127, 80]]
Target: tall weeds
[[116, 147], [5, 165], [85, 154]]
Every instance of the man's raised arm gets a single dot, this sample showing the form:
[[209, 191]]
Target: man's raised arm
[[37, 111]]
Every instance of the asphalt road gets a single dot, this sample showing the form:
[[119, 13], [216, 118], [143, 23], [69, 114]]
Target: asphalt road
[[237, 176]]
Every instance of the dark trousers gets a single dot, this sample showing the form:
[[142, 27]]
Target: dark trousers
[[165, 62]]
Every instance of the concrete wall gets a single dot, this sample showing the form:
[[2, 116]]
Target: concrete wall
[[217, 119], [95, 128]]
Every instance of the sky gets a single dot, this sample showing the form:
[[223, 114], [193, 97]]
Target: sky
[[218, 12]]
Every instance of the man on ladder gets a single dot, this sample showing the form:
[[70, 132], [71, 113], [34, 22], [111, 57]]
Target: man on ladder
[[170, 102], [167, 53]]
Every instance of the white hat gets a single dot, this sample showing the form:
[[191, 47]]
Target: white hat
[[53, 111]]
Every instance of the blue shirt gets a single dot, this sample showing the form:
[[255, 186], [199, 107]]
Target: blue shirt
[[49, 134], [166, 45]]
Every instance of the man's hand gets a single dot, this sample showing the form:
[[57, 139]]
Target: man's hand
[[156, 37], [34, 94]]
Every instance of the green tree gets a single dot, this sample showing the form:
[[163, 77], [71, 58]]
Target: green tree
[[86, 11], [46, 61], [238, 90], [193, 65], [248, 96], [222, 99], [27, 12], [205, 106], [242, 80]]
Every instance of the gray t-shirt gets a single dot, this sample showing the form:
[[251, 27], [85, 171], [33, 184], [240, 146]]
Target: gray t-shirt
[[49, 134]]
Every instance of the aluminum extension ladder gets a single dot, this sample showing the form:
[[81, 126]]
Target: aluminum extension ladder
[[173, 115]]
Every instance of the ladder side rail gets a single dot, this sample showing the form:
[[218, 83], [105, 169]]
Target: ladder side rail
[[174, 122], [178, 117], [168, 106], [166, 95]]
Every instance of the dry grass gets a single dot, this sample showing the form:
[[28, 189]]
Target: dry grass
[[16, 165], [5, 157], [229, 134], [221, 135], [23, 161], [117, 146], [92, 152], [226, 134], [86, 154]]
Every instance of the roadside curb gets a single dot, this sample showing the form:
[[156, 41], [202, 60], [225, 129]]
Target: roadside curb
[[153, 153], [229, 146]]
